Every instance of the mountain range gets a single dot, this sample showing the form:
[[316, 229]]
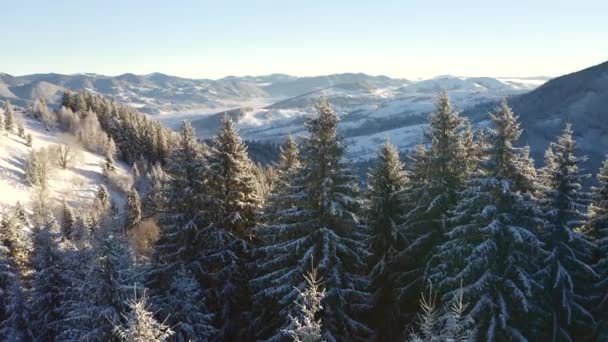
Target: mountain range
[[371, 108]]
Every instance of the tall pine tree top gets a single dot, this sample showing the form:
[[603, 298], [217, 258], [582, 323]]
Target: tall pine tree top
[[321, 226], [232, 181], [567, 274]]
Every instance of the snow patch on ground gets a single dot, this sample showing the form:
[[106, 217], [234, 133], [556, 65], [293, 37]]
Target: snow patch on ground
[[78, 184]]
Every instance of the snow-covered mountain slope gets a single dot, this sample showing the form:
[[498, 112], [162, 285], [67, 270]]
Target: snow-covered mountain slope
[[369, 112], [77, 184]]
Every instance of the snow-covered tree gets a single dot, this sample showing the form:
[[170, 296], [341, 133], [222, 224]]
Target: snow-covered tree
[[16, 240], [304, 325], [9, 283], [102, 198], [94, 302], [232, 182], [442, 324], [567, 273], [185, 309], [385, 181], [20, 129], [47, 284], [9, 113], [140, 324], [491, 249], [68, 220], [133, 208], [322, 224], [28, 140], [109, 165], [184, 198], [437, 176], [16, 325], [38, 168], [598, 228]]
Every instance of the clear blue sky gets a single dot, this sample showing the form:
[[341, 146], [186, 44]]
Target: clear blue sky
[[212, 39]]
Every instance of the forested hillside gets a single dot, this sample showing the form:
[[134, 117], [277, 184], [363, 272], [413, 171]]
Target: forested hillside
[[465, 239]]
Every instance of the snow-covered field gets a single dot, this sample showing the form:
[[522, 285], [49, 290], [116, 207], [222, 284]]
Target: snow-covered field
[[77, 184]]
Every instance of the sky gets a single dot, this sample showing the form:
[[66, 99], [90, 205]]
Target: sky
[[213, 39]]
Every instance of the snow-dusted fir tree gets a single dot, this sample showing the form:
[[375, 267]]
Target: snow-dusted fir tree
[[133, 208], [232, 182], [93, 304], [28, 140], [16, 327], [288, 166], [48, 283], [440, 324], [185, 198], [567, 274], [9, 120], [305, 326], [68, 223], [491, 249], [385, 181], [185, 309], [15, 238], [437, 177], [322, 224], [140, 324], [232, 207], [598, 228], [10, 294]]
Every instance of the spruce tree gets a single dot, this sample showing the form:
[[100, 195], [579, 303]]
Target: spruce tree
[[8, 117], [232, 182], [598, 228], [437, 177], [566, 273], [133, 208], [491, 249], [19, 245], [28, 140], [322, 225], [305, 326], [94, 302], [385, 181], [48, 283], [140, 324], [69, 220], [185, 199], [185, 309], [233, 203]]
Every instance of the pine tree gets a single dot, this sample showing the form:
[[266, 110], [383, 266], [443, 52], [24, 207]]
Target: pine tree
[[491, 248], [232, 207], [8, 277], [566, 271], [20, 129], [598, 228], [133, 208], [322, 224], [48, 283], [19, 246], [305, 326], [102, 198], [437, 177], [95, 301], [442, 324], [28, 140], [185, 308], [185, 197], [109, 165], [69, 220], [8, 117], [140, 324], [231, 181], [16, 326], [386, 180]]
